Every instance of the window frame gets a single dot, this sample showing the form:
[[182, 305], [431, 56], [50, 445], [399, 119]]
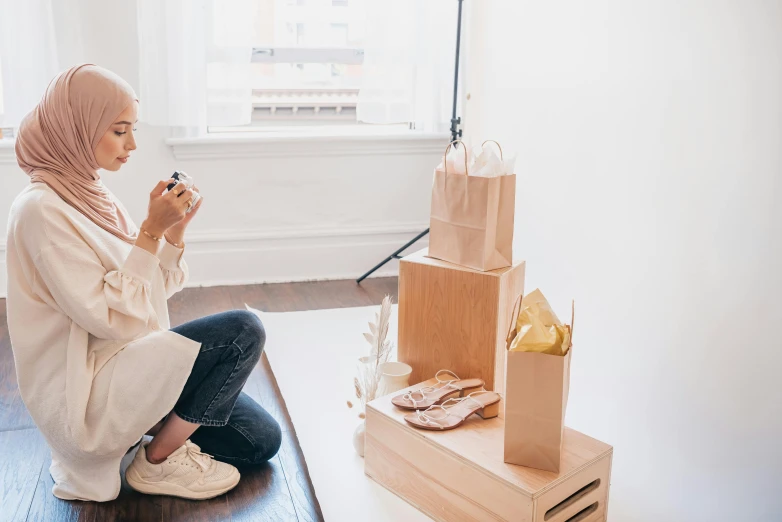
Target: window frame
[[277, 107]]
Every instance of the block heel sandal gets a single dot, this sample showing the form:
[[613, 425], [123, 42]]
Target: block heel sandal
[[453, 412], [437, 393]]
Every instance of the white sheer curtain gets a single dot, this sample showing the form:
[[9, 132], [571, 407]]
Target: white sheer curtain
[[28, 56], [195, 62], [409, 55]]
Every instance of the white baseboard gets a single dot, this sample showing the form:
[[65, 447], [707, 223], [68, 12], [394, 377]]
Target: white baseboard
[[274, 256]]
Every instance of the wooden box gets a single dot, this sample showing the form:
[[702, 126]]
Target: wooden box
[[455, 318], [459, 475]]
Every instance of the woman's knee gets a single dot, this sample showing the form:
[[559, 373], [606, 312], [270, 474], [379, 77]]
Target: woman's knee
[[252, 335], [268, 442]]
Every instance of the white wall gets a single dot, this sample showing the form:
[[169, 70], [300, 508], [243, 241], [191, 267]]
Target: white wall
[[650, 172], [274, 211]]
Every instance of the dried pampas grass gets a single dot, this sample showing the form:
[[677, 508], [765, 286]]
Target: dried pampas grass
[[368, 378]]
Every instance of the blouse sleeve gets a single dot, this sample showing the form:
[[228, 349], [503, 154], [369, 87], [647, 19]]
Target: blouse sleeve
[[174, 268], [108, 304]]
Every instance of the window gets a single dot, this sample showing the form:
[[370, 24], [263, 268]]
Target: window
[[307, 63], [299, 34], [339, 35], [4, 132]]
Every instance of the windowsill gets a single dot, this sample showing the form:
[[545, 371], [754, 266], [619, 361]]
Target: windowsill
[[292, 143], [7, 154], [308, 142]]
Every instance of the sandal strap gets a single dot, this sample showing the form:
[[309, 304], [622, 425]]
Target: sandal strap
[[426, 417], [431, 420], [446, 407], [441, 384], [428, 389], [437, 376], [422, 391], [471, 398]]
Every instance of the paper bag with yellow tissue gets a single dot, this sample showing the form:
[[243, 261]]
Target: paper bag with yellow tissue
[[537, 382]]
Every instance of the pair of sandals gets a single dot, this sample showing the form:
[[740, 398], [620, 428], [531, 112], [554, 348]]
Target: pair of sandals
[[448, 403]]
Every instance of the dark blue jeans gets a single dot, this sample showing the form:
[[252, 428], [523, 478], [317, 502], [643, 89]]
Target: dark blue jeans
[[234, 428]]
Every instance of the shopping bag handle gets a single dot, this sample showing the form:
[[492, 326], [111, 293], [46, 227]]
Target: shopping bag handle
[[496, 143], [514, 315], [572, 320], [445, 156]]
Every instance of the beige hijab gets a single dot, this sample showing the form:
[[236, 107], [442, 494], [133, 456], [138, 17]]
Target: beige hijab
[[57, 141]]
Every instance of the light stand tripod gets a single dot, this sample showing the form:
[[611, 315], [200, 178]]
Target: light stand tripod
[[456, 133]]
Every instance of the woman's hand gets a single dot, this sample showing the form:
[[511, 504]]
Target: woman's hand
[[176, 234], [166, 209]]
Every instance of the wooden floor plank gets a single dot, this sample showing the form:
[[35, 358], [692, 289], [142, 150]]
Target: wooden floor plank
[[22, 456], [181, 510], [298, 479], [13, 414], [262, 497], [281, 490]]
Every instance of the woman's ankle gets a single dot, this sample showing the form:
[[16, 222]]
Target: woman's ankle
[[154, 430], [153, 461], [172, 435], [153, 457]]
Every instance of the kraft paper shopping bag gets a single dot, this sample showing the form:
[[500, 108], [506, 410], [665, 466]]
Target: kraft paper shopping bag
[[536, 400], [472, 217], [537, 385]]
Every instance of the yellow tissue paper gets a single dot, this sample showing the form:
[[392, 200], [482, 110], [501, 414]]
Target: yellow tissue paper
[[538, 329]]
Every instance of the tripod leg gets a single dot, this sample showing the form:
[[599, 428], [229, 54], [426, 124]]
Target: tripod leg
[[395, 255]]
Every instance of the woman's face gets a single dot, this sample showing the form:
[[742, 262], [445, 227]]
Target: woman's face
[[114, 147]]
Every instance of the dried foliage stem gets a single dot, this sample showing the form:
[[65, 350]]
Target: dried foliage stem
[[366, 382]]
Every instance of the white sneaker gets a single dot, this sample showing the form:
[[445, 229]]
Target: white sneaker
[[186, 473]]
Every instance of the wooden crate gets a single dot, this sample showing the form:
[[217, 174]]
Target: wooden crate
[[456, 318], [459, 475]]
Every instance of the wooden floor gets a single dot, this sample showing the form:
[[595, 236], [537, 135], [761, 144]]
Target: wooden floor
[[281, 490]]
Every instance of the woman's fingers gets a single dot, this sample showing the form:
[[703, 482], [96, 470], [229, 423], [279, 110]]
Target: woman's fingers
[[161, 186], [185, 197], [179, 189], [176, 190], [197, 205], [193, 211]]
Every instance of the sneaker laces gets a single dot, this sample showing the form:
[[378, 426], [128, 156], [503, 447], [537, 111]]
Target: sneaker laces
[[204, 460]]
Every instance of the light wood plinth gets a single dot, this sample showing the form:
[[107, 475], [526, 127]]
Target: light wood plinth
[[456, 318], [459, 475]]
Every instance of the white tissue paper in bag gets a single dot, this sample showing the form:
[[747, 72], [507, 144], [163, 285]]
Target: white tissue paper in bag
[[488, 164], [455, 160], [483, 162]]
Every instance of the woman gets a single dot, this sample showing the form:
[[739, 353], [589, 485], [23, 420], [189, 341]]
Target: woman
[[97, 365]]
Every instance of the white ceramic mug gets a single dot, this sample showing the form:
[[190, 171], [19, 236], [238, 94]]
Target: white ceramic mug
[[394, 376]]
